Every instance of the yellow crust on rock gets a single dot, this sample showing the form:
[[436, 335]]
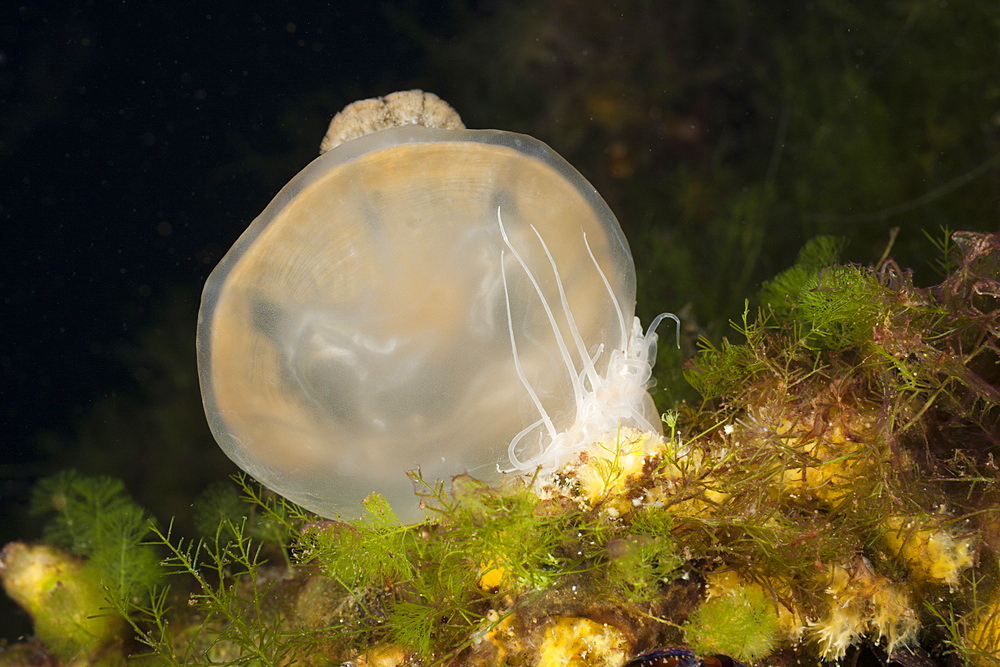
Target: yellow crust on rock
[[931, 554], [581, 642]]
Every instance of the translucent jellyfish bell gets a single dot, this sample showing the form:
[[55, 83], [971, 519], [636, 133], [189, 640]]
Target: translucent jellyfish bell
[[414, 298]]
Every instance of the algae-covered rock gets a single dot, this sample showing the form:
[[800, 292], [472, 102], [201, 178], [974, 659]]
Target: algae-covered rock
[[63, 597]]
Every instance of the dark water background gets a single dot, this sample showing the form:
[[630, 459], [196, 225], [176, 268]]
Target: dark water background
[[137, 141]]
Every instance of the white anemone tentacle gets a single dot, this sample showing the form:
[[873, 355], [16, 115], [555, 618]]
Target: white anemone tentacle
[[603, 402]]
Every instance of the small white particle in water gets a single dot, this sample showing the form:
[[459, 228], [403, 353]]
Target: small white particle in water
[[729, 428]]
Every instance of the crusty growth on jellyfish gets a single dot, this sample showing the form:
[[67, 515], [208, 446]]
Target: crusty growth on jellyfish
[[422, 297]]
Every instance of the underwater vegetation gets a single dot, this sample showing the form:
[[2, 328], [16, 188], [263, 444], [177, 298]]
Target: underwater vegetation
[[894, 395], [833, 497], [94, 553]]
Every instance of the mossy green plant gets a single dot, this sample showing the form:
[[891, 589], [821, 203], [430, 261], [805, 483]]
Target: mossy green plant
[[95, 557], [95, 518], [483, 543], [263, 515], [236, 623], [646, 559], [782, 292], [742, 623]]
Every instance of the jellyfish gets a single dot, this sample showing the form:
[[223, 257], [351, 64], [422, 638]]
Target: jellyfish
[[421, 296]]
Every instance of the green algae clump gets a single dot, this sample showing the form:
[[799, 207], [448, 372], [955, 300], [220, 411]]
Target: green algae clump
[[741, 622]]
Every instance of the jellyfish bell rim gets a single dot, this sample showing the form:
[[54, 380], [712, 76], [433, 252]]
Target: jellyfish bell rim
[[320, 167]]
